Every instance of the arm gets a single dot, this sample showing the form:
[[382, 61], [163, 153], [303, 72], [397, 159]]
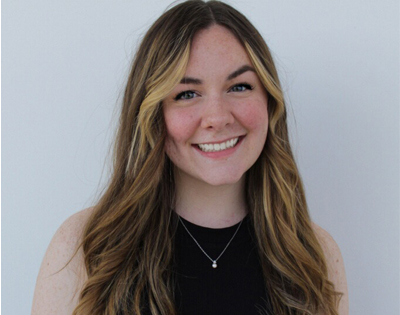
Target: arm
[[335, 264], [59, 283]]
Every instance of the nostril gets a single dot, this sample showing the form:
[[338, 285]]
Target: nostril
[[217, 118]]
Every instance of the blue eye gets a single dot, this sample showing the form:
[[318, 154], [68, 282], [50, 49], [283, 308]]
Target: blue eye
[[185, 95], [241, 87]]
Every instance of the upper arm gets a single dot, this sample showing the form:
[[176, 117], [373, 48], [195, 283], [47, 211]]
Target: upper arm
[[335, 264], [62, 274]]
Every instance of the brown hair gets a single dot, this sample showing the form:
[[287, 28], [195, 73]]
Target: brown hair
[[128, 241]]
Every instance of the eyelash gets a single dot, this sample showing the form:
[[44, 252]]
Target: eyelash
[[181, 94], [246, 85]]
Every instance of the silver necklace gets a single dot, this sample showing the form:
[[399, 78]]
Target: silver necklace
[[214, 261]]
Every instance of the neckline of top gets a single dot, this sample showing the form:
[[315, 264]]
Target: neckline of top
[[214, 235]]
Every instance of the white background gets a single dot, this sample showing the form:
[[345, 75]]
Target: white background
[[64, 66]]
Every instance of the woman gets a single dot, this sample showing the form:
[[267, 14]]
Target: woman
[[205, 212]]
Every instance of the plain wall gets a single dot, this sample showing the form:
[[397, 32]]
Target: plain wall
[[64, 65]]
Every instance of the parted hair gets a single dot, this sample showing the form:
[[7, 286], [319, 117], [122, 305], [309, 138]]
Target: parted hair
[[128, 242]]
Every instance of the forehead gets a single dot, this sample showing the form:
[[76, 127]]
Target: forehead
[[216, 48]]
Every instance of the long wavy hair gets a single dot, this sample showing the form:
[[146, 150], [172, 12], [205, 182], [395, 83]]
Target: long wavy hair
[[128, 242]]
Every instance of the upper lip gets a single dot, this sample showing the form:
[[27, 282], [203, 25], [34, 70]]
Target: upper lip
[[222, 141]]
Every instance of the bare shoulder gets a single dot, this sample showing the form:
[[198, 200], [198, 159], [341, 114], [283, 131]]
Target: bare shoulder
[[62, 272], [335, 264]]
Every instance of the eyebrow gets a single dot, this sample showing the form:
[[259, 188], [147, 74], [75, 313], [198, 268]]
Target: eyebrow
[[240, 71], [189, 80], [236, 73]]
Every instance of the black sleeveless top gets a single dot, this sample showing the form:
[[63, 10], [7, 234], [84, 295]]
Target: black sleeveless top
[[235, 287]]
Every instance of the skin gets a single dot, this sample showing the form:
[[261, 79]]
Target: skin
[[336, 270], [59, 283], [209, 186], [221, 98]]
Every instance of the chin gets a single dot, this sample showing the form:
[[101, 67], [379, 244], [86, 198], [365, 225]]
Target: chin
[[220, 181]]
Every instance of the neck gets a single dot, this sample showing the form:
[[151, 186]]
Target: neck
[[210, 206]]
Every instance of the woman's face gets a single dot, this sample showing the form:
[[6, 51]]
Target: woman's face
[[216, 118]]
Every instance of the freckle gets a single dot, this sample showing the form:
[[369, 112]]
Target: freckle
[[337, 260]]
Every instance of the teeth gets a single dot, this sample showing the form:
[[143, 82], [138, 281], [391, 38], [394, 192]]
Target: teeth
[[218, 146]]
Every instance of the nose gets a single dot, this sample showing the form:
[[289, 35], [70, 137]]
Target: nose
[[217, 114]]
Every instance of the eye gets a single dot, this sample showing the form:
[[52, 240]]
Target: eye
[[241, 87], [185, 95]]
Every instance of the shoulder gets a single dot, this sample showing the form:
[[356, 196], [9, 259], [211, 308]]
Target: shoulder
[[62, 272], [326, 240], [335, 264]]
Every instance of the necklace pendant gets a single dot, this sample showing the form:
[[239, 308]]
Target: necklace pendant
[[214, 262]]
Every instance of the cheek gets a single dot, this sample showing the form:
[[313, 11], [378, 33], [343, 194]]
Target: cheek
[[172, 148], [180, 125], [255, 117]]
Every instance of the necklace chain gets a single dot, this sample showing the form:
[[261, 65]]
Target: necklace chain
[[214, 261]]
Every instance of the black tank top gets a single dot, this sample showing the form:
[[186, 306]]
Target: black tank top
[[235, 287]]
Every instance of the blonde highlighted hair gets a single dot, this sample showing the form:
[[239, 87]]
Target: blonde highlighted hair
[[128, 242]]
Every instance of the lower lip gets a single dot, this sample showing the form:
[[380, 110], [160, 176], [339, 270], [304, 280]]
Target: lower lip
[[220, 154]]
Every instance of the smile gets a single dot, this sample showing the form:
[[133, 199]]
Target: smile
[[216, 147]]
